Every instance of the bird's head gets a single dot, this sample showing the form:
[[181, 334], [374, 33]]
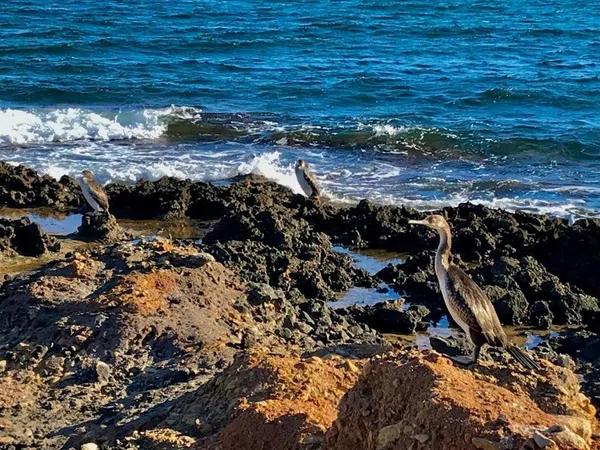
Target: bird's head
[[434, 221], [87, 175], [301, 164]]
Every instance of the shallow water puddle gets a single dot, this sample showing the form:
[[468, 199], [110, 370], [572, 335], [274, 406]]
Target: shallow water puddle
[[529, 338], [49, 221], [440, 329], [537, 337], [372, 261], [365, 297], [177, 229], [55, 225], [62, 224]]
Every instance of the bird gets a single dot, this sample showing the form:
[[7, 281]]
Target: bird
[[307, 180], [468, 305], [93, 191]]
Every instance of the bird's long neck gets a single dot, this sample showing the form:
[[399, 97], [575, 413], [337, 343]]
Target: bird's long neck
[[442, 257]]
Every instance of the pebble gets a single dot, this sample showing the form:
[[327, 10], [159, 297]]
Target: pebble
[[103, 372], [486, 444], [422, 438], [542, 441], [90, 446], [351, 367]]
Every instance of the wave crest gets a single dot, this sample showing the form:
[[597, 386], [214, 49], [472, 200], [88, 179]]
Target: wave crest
[[75, 124]]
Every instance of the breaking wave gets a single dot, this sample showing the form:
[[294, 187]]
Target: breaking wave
[[189, 124], [75, 124]]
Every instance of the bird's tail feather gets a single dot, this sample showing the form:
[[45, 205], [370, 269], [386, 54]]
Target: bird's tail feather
[[523, 358]]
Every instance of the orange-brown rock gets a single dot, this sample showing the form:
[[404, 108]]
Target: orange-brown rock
[[269, 401], [413, 401], [145, 293], [403, 400]]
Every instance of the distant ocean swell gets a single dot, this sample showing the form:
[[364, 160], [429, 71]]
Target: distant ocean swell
[[22, 127]]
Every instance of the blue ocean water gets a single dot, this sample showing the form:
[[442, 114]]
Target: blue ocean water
[[420, 102]]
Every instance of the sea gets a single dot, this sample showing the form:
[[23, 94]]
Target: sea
[[425, 103]]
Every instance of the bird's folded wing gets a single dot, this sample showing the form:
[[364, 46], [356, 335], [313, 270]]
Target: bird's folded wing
[[474, 307], [312, 182], [97, 192]]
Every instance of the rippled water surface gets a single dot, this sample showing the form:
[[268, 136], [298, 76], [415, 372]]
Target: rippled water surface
[[426, 103]]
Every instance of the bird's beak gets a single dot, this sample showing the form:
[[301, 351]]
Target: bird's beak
[[418, 222]]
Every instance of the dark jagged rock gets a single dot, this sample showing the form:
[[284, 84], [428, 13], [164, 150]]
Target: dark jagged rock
[[21, 187], [510, 303], [275, 248], [584, 347], [519, 258], [391, 316], [573, 253], [259, 293], [170, 197], [100, 226], [165, 198], [25, 238], [540, 315], [451, 346], [370, 225], [205, 202], [513, 285], [416, 280], [567, 303]]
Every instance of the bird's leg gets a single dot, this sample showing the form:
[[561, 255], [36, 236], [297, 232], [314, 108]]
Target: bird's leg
[[476, 352], [462, 360]]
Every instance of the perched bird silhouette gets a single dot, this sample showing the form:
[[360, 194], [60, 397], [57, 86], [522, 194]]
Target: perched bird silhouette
[[93, 191], [307, 180], [468, 305]]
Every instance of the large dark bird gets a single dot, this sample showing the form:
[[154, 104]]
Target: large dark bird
[[468, 305]]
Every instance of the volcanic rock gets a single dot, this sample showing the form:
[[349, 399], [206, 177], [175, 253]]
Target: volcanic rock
[[391, 316], [21, 187], [100, 226], [23, 237], [403, 400], [272, 247], [413, 400]]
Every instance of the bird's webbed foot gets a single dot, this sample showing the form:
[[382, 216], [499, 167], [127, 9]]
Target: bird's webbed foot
[[464, 361]]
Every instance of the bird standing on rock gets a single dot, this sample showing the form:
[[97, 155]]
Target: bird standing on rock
[[307, 180], [468, 305], [93, 191]]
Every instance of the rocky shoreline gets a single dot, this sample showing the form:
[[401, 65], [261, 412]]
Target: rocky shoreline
[[161, 343]]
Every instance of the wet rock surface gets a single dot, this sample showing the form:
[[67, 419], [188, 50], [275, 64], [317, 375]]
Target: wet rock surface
[[22, 237], [391, 316], [101, 226]]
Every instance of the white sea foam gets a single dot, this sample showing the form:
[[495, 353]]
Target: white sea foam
[[388, 130], [344, 177], [269, 166], [531, 205], [74, 124]]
